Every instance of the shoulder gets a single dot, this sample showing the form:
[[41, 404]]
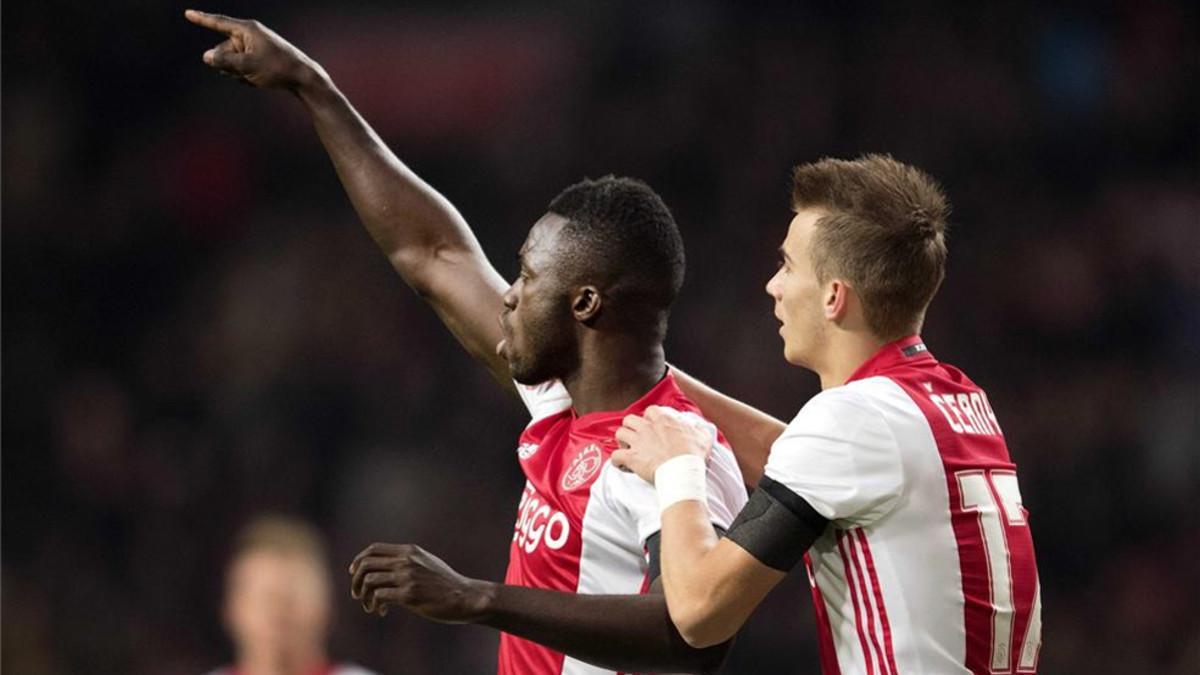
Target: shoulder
[[726, 491], [872, 402], [842, 432], [839, 410], [832, 422], [840, 453]]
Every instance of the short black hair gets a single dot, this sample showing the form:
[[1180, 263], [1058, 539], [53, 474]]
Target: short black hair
[[620, 233]]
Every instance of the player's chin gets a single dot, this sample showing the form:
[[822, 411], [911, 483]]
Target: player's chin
[[521, 373], [520, 378], [530, 372], [793, 354]]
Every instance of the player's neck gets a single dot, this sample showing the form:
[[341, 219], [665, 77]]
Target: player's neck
[[267, 663], [844, 355], [611, 376]]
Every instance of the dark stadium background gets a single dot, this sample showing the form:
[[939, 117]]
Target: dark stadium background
[[195, 328]]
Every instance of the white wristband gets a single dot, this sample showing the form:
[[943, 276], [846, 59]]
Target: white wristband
[[679, 479]]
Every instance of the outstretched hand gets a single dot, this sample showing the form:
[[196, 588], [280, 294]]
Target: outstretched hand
[[254, 53], [659, 434], [404, 575]]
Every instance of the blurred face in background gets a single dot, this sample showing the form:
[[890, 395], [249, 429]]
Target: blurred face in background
[[799, 295], [277, 608], [537, 322]]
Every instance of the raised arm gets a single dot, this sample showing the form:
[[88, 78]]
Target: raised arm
[[422, 234], [629, 633]]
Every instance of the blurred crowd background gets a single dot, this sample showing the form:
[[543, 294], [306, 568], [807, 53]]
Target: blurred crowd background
[[196, 330]]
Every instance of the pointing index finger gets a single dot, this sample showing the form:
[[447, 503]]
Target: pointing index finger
[[217, 22]]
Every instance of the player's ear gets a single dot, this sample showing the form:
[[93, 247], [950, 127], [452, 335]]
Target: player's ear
[[586, 303], [837, 300]]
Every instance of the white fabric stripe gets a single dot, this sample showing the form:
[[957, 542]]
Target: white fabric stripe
[[835, 587], [889, 650], [875, 616], [604, 565], [861, 618]]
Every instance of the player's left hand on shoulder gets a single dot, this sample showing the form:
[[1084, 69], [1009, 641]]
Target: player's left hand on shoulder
[[659, 434], [405, 575]]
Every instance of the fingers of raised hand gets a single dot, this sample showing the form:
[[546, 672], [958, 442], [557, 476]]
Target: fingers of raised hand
[[226, 58], [217, 22]]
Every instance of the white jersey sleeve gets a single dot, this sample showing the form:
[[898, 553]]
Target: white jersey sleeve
[[545, 399], [840, 456], [638, 499]]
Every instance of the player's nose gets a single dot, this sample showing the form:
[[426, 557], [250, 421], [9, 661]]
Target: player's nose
[[772, 286]]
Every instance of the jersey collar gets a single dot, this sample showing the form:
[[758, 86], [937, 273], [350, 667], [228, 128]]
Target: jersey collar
[[663, 391], [905, 351]]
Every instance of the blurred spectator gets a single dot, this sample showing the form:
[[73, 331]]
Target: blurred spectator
[[277, 601]]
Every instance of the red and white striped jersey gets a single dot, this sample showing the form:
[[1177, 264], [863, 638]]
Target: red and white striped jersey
[[582, 524], [928, 565]]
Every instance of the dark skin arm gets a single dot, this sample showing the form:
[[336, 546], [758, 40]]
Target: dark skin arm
[[424, 237], [630, 633]]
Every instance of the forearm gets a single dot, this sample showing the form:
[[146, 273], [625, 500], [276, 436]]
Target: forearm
[[750, 431], [619, 632], [409, 220], [712, 585], [687, 539], [422, 234]]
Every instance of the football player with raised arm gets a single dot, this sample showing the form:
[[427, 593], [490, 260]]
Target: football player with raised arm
[[580, 340], [894, 484]]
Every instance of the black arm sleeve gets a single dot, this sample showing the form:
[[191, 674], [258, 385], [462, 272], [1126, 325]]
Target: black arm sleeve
[[777, 526]]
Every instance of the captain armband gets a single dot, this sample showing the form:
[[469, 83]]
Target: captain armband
[[777, 526]]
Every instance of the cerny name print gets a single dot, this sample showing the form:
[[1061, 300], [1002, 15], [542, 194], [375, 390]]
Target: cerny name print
[[967, 413]]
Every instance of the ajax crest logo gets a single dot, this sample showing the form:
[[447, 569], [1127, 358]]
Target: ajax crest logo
[[585, 465]]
